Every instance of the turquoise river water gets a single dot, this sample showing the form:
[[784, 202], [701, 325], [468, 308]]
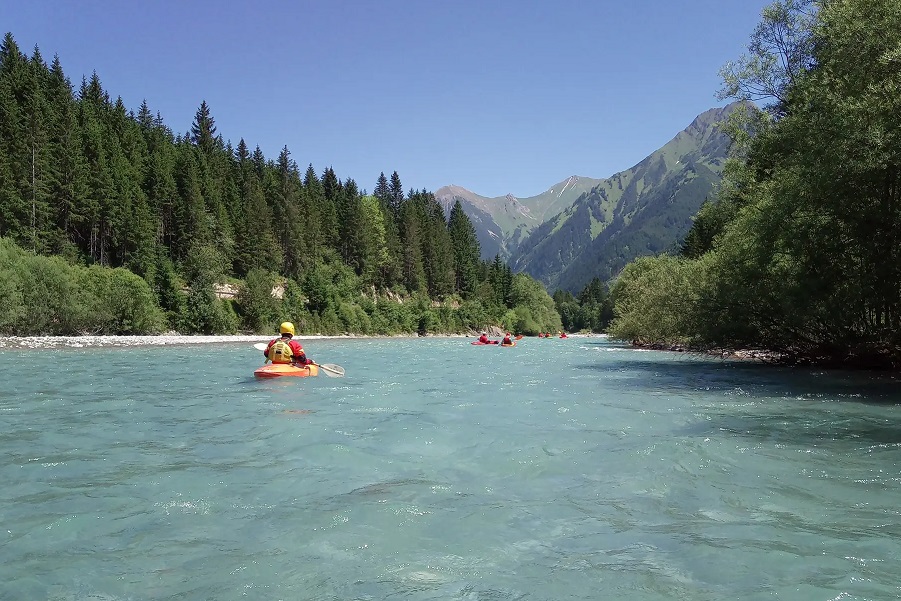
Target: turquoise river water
[[558, 469]]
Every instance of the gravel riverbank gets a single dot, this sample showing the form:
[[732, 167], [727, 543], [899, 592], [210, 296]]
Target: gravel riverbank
[[26, 342]]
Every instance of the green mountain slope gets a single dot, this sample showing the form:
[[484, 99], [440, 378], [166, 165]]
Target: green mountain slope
[[687, 168], [503, 222], [641, 211]]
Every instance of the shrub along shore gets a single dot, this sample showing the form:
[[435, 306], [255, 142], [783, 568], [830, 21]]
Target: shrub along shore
[[49, 296]]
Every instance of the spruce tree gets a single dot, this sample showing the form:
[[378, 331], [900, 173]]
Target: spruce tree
[[437, 247], [190, 220], [203, 129], [296, 225], [15, 154], [327, 198], [69, 187], [94, 235], [43, 173], [395, 193], [412, 269], [382, 191], [466, 251]]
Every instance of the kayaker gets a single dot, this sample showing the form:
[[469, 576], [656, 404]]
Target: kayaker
[[286, 350], [507, 339], [484, 338]]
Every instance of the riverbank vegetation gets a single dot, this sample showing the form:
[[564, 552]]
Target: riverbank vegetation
[[110, 222], [590, 311], [800, 253]]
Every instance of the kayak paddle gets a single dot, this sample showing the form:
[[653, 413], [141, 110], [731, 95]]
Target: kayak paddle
[[330, 369]]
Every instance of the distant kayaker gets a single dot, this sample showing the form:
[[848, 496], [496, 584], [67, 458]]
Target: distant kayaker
[[484, 338], [284, 349], [507, 340]]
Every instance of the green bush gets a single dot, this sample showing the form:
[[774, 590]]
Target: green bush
[[354, 319], [121, 303], [258, 308]]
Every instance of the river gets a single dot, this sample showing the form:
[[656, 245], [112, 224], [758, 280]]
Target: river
[[557, 469]]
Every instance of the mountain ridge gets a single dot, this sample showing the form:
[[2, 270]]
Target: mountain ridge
[[556, 236]]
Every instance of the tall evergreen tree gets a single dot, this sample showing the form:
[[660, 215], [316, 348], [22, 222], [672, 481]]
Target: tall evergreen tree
[[395, 193], [95, 236], [437, 249], [320, 213], [327, 198], [412, 269], [15, 153], [295, 221], [467, 251], [190, 220], [145, 117], [382, 191], [257, 246], [43, 169], [203, 129], [69, 187]]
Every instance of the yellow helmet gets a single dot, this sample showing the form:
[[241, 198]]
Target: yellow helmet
[[286, 328]]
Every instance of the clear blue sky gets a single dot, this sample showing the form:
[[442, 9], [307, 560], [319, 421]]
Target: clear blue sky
[[495, 96]]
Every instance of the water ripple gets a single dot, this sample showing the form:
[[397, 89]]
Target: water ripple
[[438, 470]]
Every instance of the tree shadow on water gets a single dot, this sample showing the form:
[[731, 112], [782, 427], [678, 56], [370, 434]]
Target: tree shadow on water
[[765, 402], [751, 380], [798, 428]]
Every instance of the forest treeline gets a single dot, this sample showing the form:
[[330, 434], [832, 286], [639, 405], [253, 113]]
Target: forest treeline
[[110, 222], [800, 253]]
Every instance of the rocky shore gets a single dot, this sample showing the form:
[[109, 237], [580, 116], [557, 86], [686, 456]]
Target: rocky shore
[[27, 342]]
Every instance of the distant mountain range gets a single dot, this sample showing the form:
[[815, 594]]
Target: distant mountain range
[[583, 227]]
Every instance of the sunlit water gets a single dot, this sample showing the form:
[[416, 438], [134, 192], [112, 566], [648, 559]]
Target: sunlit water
[[558, 469]]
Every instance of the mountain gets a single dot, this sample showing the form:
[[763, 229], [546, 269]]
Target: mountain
[[583, 227], [502, 222]]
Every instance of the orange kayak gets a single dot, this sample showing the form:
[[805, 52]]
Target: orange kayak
[[275, 370], [512, 343]]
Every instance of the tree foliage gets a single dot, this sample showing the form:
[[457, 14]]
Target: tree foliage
[[801, 252], [130, 227]]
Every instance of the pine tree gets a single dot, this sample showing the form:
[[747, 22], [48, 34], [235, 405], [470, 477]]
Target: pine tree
[[382, 191], [327, 198], [257, 247], [294, 220], [190, 220], [160, 186], [145, 117], [398, 269], [94, 235], [68, 189], [350, 230], [320, 209], [259, 162], [203, 129], [412, 269], [437, 247], [395, 193], [43, 172], [15, 153], [466, 251]]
